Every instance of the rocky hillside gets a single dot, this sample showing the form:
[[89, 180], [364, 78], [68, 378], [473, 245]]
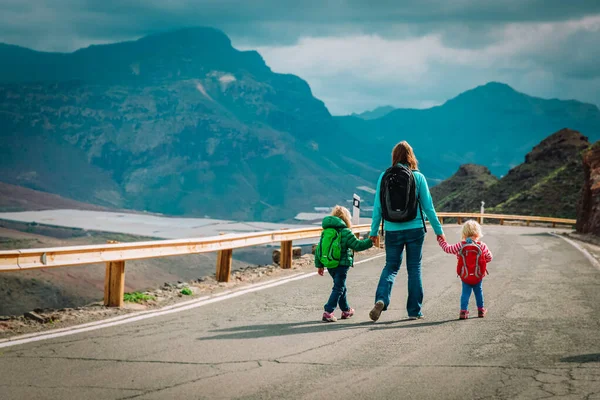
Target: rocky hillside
[[548, 183], [464, 190], [177, 123], [588, 212]]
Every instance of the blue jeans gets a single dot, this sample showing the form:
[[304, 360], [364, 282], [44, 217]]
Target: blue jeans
[[339, 291], [395, 241], [466, 295]]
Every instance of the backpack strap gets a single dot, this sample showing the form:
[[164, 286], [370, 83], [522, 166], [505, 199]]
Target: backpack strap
[[463, 271], [419, 203], [477, 268], [421, 211]]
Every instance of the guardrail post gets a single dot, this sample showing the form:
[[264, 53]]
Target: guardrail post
[[286, 254], [528, 222], [442, 220], [114, 284], [554, 224], [501, 221], [459, 220], [224, 258]]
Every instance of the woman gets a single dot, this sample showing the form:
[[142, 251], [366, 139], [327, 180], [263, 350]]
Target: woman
[[399, 235]]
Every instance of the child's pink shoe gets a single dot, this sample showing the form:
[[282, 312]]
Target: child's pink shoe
[[329, 317], [464, 314], [347, 314], [481, 312]]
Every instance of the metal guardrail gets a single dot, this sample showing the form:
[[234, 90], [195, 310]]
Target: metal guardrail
[[505, 217], [115, 254]]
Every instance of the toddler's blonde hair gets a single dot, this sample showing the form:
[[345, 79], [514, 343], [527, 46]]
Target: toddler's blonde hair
[[471, 229], [344, 214]]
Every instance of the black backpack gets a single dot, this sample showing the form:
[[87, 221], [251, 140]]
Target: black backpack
[[398, 195]]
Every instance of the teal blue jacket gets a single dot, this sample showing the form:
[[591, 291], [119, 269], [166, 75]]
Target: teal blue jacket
[[425, 203]]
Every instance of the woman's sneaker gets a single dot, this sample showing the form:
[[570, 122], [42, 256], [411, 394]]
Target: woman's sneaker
[[481, 312], [376, 311], [464, 314], [347, 314], [329, 317]]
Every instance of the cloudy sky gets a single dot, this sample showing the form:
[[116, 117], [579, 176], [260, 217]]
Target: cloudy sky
[[357, 55]]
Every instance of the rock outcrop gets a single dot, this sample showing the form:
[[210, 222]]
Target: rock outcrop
[[464, 190], [588, 212], [548, 183]]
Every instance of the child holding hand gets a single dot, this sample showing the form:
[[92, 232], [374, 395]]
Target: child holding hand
[[335, 253], [473, 256]]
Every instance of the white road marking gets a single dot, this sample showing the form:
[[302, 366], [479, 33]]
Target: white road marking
[[586, 253], [187, 305]]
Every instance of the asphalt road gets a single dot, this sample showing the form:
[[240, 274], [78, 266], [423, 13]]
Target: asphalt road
[[541, 339]]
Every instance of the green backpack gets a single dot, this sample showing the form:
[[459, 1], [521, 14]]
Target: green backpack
[[329, 250]]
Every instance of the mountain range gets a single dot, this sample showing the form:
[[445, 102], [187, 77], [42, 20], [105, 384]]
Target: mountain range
[[177, 123], [375, 113], [182, 123], [491, 125]]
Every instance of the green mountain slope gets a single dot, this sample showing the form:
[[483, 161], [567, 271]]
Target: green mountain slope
[[464, 190], [178, 123]]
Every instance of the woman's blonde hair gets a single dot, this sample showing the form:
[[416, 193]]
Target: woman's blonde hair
[[471, 229], [343, 214], [404, 154]]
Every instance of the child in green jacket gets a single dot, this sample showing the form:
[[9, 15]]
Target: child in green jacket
[[339, 220]]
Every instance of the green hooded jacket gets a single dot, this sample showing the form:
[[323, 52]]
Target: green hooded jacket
[[349, 241]]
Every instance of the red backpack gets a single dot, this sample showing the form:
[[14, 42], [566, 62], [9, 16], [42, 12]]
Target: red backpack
[[471, 266]]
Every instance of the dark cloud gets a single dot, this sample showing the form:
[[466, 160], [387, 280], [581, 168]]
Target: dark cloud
[[44, 24], [550, 53]]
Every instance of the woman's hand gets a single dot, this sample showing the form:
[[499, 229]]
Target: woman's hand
[[443, 237], [375, 240], [321, 271]]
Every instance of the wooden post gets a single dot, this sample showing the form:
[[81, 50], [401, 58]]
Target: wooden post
[[286, 254], [224, 258], [459, 220], [554, 224], [528, 222], [114, 284], [501, 221], [442, 220]]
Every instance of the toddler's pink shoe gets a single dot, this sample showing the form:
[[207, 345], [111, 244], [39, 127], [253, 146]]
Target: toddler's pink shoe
[[329, 317], [464, 314], [481, 312], [347, 314]]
